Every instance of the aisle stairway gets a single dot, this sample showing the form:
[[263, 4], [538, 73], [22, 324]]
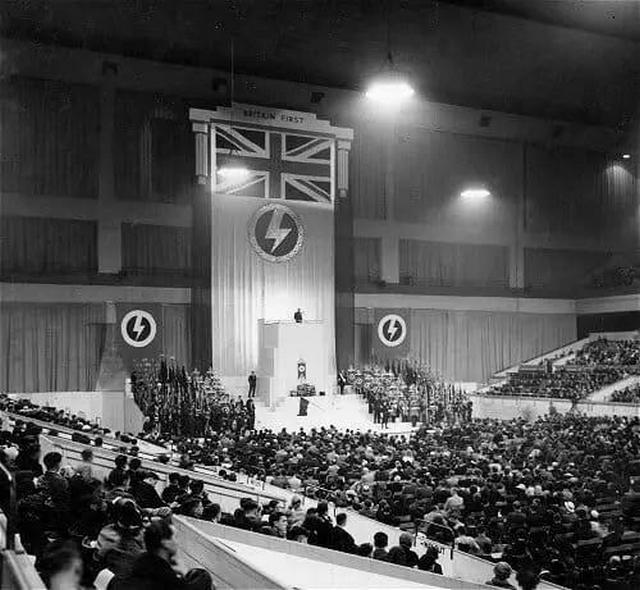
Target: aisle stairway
[[342, 411]]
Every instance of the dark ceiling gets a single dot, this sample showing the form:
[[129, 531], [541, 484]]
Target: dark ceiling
[[560, 59]]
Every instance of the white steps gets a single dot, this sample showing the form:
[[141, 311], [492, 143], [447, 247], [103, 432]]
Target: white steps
[[342, 411]]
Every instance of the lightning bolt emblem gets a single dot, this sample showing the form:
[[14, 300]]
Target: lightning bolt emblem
[[274, 231], [137, 327], [393, 329]]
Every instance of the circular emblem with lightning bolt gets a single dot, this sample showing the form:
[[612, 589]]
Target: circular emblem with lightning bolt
[[276, 233], [392, 330], [138, 328]]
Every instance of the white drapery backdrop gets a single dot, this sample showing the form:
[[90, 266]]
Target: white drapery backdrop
[[472, 345], [245, 288]]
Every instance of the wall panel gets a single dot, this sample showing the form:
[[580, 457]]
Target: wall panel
[[154, 148], [367, 171], [49, 138], [367, 261], [432, 168], [156, 249], [443, 264], [38, 246], [579, 193]]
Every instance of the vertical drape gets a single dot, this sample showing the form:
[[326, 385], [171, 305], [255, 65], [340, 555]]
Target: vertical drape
[[156, 249], [245, 288], [367, 171], [366, 254], [562, 269], [176, 333], [578, 192], [49, 138], [472, 345], [33, 245], [54, 347], [154, 155], [444, 264]]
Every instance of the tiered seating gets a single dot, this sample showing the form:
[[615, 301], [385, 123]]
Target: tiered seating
[[599, 363], [525, 493], [629, 395]]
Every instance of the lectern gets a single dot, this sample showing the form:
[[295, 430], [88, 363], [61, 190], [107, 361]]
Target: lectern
[[282, 345]]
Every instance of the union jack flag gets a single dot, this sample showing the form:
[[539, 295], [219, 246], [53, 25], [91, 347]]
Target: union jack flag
[[281, 164]]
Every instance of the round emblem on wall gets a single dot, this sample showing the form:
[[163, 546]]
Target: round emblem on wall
[[276, 233], [138, 328], [392, 330]]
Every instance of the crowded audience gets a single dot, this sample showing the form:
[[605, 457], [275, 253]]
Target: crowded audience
[[597, 364], [563, 383], [602, 351], [628, 395], [528, 495]]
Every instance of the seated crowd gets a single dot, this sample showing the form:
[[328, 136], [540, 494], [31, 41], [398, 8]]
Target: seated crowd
[[528, 494], [598, 363], [628, 395], [602, 351], [563, 383]]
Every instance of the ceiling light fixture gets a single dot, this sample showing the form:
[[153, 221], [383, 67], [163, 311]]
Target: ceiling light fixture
[[233, 171], [475, 193], [626, 156], [390, 88]]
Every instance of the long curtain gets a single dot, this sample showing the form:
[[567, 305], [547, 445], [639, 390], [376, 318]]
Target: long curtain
[[154, 157], [156, 249], [472, 345], [246, 289], [443, 264], [52, 347], [366, 258], [37, 245], [176, 333], [49, 137]]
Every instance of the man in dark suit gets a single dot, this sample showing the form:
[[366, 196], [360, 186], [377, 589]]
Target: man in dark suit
[[341, 540], [252, 384], [298, 316]]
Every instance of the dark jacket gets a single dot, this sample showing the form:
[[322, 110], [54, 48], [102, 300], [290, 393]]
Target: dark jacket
[[149, 573], [146, 495], [380, 554], [403, 556], [341, 540]]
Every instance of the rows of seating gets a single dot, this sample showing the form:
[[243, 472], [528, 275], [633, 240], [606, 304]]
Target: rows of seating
[[628, 395], [598, 363], [526, 494]]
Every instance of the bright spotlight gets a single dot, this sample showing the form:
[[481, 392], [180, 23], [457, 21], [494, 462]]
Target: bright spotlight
[[626, 156], [475, 193], [389, 91], [233, 173]]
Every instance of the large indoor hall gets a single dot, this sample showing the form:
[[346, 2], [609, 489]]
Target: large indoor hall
[[320, 295]]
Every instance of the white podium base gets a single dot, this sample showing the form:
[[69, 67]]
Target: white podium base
[[282, 345]]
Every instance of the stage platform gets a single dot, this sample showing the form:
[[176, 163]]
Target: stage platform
[[347, 411]]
